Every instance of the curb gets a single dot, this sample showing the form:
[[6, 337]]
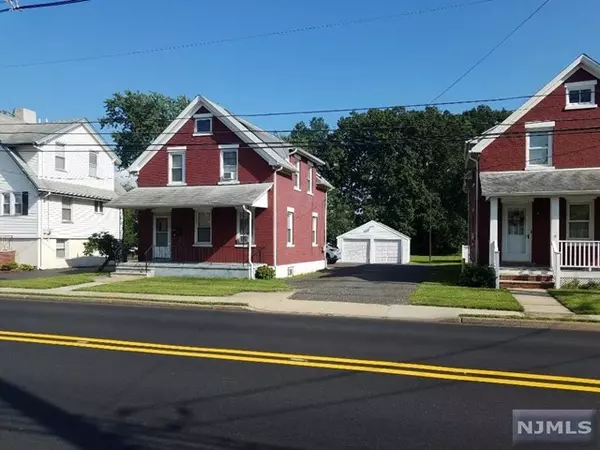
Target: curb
[[578, 325], [124, 301]]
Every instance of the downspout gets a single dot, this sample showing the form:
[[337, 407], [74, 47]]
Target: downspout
[[41, 229], [279, 168], [249, 211]]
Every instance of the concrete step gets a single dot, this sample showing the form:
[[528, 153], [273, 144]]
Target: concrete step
[[525, 284], [131, 269], [526, 277]]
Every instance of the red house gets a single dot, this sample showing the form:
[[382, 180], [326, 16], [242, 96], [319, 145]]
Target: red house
[[218, 196], [534, 184]]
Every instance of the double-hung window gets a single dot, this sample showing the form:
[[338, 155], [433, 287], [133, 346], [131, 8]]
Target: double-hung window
[[245, 233], [204, 228], [579, 223], [93, 162], [18, 203], [203, 124], [98, 207], [6, 203], [314, 228], [581, 95], [60, 157], [61, 248], [309, 180], [539, 144], [176, 165], [290, 227], [297, 174], [67, 209], [229, 163]]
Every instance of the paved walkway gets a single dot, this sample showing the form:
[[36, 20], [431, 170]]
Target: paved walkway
[[539, 302]]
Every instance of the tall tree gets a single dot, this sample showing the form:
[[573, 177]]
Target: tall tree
[[137, 118]]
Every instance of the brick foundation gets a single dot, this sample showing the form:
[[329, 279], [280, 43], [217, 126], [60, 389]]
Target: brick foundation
[[7, 256]]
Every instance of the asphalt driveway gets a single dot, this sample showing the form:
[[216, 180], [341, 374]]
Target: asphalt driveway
[[384, 284]]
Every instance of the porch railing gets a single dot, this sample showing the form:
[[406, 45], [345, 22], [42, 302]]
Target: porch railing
[[211, 255], [580, 254]]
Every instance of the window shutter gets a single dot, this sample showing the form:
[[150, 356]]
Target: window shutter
[[25, 200]]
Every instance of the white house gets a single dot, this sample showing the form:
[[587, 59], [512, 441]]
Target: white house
[[374, 243], [54, 180]]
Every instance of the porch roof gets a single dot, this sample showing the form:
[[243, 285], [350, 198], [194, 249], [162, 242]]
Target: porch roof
[[194, 196], [540, 182]]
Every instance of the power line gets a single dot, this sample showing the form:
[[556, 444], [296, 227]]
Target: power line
[[14, 5], [327, 111], [249, 37], [492, 50]]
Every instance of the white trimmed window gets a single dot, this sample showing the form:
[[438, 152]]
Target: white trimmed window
[[229, 163], [580, 221], [61, 248], [67, 209], [297, 175], [204, 228], [93, 164], [18, 207], [309, 180], [314, 228], [98, 207], [539, 144], [60, 157], [243, 228], [581, 95], [176, 165], [290, 227], [6, 203], [203, 124]]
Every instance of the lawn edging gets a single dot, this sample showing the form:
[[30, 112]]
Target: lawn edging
[[555, 323]]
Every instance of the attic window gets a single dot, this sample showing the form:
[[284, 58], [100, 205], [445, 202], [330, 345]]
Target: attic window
[[203, 124], [581, 95]]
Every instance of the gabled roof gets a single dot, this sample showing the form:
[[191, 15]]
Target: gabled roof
[[582, 62], [372, 223], [273, 150], [15, 132], [61, 187]]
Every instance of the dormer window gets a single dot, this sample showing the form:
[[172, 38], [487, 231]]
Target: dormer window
[[581, 95], [202, 124]]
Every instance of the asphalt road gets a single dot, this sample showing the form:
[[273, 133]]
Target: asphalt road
[[384, 284], [60, 397]]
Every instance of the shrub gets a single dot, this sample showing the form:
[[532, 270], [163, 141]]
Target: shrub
[[265, 273], [570, 285], [26, 267], [10, 266], [476, 275]]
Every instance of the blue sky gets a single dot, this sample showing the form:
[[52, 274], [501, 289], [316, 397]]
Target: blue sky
[[403, 60]]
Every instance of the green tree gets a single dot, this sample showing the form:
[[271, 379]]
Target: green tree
[[104, 244], [137, 118]]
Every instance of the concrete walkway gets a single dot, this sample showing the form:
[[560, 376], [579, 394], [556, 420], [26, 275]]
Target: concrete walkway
[[539, 302]]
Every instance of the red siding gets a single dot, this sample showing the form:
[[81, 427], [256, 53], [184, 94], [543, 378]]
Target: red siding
[[202, 159], [570, 150], [304, 205]]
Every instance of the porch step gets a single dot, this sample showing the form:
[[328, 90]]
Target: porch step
[[526, 284], [129, 269]]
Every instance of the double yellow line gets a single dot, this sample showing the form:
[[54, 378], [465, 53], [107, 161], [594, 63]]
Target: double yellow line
[[533, 380]]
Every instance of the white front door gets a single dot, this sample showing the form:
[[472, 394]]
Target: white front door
[[516, 230], [162, 237]]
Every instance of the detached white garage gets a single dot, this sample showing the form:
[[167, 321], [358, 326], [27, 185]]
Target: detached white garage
[[374, 243]]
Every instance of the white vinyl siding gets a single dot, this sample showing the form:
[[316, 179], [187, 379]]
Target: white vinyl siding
[[13, 181]]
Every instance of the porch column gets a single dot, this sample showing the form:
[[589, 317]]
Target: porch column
[[493, 225], [554, 225]]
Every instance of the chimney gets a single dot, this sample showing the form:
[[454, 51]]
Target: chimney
[[25, 115]]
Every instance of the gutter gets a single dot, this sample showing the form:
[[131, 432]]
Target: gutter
[[476, 200], [41, 223]]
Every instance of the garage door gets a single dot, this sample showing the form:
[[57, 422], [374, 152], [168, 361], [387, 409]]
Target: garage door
[[355, 250], [388, 252]]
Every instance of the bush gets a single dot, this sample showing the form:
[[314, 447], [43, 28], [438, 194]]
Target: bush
[[10, 266], [476, 275], [265, 273], [26, 267]]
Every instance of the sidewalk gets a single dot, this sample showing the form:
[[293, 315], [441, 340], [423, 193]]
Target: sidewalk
[[539, 302]]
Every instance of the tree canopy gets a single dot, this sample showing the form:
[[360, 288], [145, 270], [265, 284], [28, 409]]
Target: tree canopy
[[138, 118]]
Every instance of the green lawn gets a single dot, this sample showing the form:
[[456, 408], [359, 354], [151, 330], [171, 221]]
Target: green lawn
[[579, 301], [192, 286], [441, 290], [437, 260], [49, 282]]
